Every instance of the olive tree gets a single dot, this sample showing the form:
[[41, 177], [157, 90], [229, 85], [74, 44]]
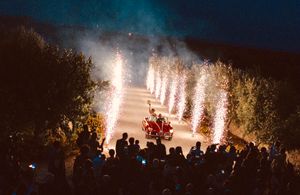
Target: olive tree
[[40, 84]]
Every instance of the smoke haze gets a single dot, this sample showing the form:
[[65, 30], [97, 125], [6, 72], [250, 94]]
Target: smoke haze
[[264, 24]]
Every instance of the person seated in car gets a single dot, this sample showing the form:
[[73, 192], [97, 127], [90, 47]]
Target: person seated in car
[[153, 115], [160, 118]]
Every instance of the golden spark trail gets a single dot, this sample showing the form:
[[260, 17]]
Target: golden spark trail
[[220, 117], [182, 97], [163, 90], [116, 97], [199, 98], [157, 84], [173, 92], [151, 79]]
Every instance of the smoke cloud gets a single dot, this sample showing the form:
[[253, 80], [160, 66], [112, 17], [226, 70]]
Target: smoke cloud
[[137, 41]]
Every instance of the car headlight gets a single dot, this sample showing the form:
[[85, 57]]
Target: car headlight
[[171, 131]]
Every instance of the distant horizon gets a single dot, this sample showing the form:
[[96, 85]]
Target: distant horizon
[[183, 38]]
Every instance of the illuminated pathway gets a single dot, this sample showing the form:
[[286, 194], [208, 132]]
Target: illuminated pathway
[[135, 108]]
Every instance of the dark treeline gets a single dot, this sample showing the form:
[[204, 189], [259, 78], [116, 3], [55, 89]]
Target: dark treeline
[[42, 89], [280, 65]]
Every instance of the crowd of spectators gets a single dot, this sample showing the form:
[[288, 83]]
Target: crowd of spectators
[[132, 170]]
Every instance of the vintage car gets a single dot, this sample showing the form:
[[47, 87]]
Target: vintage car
[[157, 128]]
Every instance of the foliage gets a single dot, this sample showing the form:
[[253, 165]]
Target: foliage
[[56, 134], [96, 122], [40, 84], [255, 109], [290, 133], [258, 105], [262, 106]]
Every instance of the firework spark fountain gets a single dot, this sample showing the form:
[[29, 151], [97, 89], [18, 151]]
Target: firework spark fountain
[[220, 117], [199, 98], [148, 78], [182, 97], [157, 84], [116, 97], [151, 79], [164, 85], [173, 92]]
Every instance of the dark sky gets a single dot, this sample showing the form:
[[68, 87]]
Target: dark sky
[[261, 23]]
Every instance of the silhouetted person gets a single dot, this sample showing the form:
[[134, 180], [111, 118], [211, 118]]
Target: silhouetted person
[[160, 149], [132, 149], [84, 136], [88, 185], [94, 144], [98, 163], [120, 146], [112, 167], [218, 171], [171, 157], [196, 150], [57, 167], [180, 159], [78, 167], [56, 164], [137, 145]]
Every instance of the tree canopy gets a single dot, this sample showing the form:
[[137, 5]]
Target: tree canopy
[[40, 84]]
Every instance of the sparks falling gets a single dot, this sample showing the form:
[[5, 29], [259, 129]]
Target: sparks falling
[[173, 92], [151, 79], [157, 84], [163, 90], [220, 117], [116, 97], [182, 97], [199, 98]]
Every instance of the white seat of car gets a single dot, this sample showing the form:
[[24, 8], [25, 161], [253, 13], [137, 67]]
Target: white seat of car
[[152, 118]]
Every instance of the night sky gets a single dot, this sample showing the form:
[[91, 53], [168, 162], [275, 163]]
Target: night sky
[[273, 24]]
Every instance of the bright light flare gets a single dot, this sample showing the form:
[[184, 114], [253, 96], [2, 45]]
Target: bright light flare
[[182, 97], [220, 117], [116, 95], [198, 100], [173, 92], [151, 79]]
